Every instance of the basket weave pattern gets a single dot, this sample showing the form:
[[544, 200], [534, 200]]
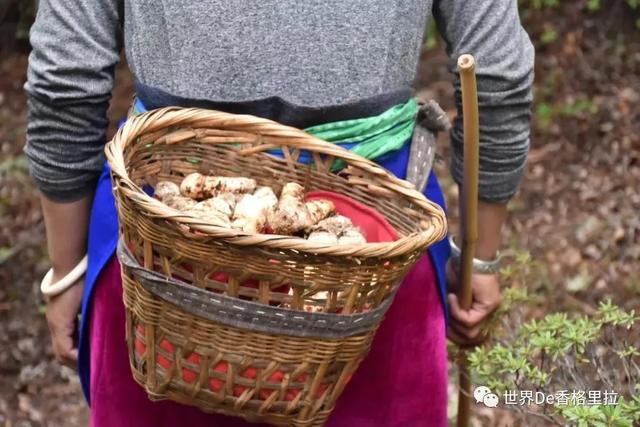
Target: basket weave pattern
[[268, 373]]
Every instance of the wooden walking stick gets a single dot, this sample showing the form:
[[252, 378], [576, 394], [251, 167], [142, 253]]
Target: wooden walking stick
[[469, 214]]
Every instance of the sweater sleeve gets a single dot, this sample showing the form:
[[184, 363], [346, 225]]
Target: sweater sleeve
[[490, 30], [75, 48]]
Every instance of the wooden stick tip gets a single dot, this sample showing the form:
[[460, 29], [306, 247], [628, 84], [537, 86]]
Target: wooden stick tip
[[466, 62]]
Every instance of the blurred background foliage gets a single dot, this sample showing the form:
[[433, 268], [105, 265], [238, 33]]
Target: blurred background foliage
[[16, 17]]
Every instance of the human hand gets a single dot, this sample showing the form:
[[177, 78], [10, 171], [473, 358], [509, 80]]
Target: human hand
[[466, 326], [62, 317]]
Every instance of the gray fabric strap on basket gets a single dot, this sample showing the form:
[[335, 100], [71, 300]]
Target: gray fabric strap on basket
[[249, 315]]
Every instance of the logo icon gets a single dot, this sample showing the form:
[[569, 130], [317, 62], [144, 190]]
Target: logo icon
[[483, 395]]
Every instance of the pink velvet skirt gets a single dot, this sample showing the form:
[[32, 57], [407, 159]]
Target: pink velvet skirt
[[402, 382]]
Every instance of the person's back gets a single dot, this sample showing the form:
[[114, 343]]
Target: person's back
[[310, 53]]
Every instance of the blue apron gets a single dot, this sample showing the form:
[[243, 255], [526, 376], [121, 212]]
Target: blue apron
[[103, 239]]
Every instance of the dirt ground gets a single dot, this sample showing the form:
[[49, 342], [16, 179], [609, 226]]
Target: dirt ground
[[577, 210]]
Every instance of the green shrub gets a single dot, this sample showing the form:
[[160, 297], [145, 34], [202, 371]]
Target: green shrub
[[562, 352]]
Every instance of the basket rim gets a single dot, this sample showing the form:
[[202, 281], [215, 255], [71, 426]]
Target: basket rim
[[154, 120]]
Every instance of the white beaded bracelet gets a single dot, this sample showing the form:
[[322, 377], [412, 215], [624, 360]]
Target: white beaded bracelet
[[52, 289]]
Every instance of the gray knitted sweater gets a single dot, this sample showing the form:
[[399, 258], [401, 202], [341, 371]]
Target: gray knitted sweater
[[309, 53]]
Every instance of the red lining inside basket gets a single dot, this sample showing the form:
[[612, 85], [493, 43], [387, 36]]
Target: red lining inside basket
[[375, 228], [373, 225]]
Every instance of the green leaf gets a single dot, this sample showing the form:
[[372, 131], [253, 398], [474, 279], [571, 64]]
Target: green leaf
[[523, 257], [549, 36], [431, 36], [593, 5], [544, 114], [628, 352], [14, 164]]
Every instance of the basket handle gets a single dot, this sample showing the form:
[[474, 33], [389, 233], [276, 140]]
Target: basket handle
[[270, 131]]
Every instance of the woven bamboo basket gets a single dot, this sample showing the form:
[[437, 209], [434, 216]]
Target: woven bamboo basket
[[208, 321]]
